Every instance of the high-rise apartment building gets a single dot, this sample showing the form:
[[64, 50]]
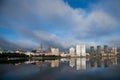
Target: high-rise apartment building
[[92, 51], [98, 50], [80, 50], [105, 48]]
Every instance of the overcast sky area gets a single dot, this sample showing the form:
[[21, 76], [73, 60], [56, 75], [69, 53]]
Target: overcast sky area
[[58, 23]]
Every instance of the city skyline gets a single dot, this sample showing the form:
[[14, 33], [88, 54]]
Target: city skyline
[[58, 23]]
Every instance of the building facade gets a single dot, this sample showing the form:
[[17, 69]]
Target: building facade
[[55, 51], [98, 50], [72, 51], [92, 51], [114, 50], [80, 50], [105, 48]]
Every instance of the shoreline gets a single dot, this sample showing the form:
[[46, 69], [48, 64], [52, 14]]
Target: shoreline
[[49, 58]]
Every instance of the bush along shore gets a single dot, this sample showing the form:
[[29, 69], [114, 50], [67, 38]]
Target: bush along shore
[[48, 57], [18, 56], [12, 56]]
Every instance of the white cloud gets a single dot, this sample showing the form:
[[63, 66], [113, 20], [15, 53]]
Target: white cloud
[[101, 19], [76, 23], [61, 15]]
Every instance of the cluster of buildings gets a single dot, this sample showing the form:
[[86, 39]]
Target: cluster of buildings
[[41, 51], [105, 52], [78, 63], [77, 51]]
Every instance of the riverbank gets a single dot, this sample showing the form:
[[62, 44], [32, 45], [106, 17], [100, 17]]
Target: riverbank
[[18, 56]]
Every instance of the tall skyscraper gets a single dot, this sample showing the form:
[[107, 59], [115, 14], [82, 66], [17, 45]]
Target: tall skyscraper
[[98, 50], [92, 51], [105, 48], [80, 50]]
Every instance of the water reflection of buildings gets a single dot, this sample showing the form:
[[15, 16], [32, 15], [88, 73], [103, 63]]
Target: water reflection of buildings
[[54, 63], [114, 61], [80, 63], [72, 62], [101, 62], [83, 63], [77, 63]]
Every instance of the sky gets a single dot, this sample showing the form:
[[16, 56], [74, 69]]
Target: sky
[[58, 23]]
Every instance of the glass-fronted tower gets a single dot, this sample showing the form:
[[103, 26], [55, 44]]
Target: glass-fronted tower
[[92, 51], [105, 48], [98, 50]]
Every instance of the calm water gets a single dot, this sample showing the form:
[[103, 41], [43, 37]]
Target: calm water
[[62, 69]]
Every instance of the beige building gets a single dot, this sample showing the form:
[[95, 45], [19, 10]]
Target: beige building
[[114, 50], [72, 51], [103, 53], [55, 51]]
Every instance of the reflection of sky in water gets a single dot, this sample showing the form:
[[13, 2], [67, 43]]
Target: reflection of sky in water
[[63, 69]]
